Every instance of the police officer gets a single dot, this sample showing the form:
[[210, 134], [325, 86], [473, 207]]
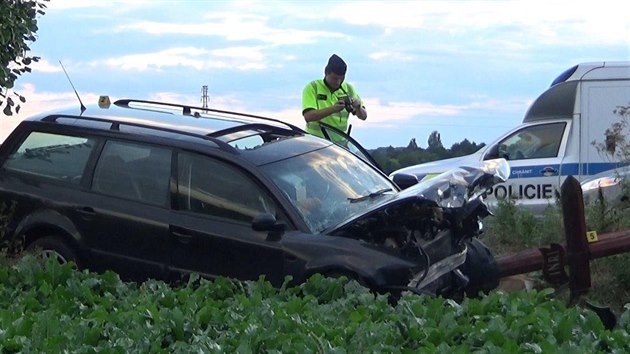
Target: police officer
[[331, 100]]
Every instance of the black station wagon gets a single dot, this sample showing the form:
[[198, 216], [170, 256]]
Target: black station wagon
[[159, 190]]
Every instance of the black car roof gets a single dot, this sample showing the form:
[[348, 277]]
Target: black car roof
[[189, 123], [184, 118]]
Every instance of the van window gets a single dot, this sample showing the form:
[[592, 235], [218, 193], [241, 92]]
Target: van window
[[56, 156], [533, 142]]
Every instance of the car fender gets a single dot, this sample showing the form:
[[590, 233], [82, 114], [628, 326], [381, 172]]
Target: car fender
[[50, 220]]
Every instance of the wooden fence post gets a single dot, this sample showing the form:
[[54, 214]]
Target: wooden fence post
[[575, 234]]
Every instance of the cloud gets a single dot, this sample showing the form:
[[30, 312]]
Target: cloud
[[557, 22], [238, 58], [233, 27], [393, 114], [390, 55], [74, 4], [113, 5], [37, 101], [46, 67]]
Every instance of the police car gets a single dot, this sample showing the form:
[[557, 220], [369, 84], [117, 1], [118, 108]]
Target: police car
[[560, 136]]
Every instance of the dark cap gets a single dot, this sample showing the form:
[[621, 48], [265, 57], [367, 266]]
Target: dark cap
[[336, 65]]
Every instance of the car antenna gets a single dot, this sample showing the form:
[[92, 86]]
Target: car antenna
[[75, 90]]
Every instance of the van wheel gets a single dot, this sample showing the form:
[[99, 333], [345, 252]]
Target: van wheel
[[53, 247]]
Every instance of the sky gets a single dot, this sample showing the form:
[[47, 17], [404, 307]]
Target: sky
[[466, 69]]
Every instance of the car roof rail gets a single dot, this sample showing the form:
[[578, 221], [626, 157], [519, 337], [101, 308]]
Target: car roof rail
[[258, 127], [187, 110], [115, 126]]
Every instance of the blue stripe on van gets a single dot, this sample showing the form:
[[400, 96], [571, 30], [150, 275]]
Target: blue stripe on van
[[567, 169]]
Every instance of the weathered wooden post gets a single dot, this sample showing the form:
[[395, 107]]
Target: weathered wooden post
[[575, 234]]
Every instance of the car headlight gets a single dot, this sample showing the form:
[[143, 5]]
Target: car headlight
[[602, 182]]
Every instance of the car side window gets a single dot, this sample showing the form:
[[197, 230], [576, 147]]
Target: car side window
[[533, 142], [212, 187], [134, 171], [56, 156]]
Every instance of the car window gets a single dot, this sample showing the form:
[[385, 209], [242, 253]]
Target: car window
[[134, 171], [533, 142], [211, 187], [56, 156]]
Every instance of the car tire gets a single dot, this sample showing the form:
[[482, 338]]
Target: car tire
[[53, 246], [481, 269]]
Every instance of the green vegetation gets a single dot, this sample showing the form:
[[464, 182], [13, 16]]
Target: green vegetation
[[52, 308], [18, 25]]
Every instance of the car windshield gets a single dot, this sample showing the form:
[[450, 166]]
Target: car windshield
[[330, 185]]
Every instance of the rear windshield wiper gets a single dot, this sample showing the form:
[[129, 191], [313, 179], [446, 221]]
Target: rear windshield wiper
[[369, 196]]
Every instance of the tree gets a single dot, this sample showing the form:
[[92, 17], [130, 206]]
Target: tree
[[465, 147], [435, 146], [18, 25], [435, 142]]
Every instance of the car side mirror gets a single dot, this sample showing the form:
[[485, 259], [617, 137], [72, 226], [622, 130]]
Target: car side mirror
[[404, 180], [267, 222], [493, 153]]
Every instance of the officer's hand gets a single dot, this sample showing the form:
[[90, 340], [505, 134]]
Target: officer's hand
[[339, 106], [356, 104]]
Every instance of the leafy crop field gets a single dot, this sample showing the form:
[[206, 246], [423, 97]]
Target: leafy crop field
[[53, 308]]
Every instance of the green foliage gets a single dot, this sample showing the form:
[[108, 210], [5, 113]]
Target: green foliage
[[618, 265], [602, 217], [52, 308], [18, 25], [513, 228], [7, 246]]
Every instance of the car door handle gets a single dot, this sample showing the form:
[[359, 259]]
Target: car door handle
[[182, 235], [86, 212]]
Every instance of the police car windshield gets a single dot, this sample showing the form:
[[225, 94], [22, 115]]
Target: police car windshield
[[324, 185]]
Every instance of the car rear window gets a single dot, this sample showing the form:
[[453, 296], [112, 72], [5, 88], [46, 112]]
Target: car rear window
[[56, 156]]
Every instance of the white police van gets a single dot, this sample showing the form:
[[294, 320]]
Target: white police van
[[556, 138]]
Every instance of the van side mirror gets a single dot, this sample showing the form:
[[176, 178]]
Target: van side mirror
[[267, 222], [404, 180]]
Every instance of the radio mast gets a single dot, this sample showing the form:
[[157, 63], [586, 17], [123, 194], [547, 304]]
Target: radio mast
[[204, 96]]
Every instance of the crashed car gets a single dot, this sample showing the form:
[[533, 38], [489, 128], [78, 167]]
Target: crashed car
[[159, 190]]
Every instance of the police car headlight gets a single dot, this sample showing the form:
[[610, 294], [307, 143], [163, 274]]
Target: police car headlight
[[602, 182]]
